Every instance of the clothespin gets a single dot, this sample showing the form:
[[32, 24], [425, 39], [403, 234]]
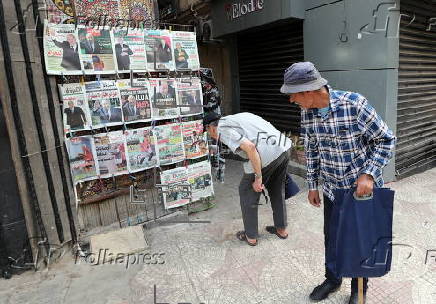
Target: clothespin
[[98, 78], [124, 128], [117, 75], [107, 131]]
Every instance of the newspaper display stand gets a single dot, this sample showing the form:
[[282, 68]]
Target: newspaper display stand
[[120, 87]]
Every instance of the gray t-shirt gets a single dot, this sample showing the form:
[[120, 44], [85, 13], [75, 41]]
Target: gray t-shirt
[[270, 143]]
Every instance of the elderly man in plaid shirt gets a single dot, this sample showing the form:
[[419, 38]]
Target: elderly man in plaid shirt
[[347, 144]]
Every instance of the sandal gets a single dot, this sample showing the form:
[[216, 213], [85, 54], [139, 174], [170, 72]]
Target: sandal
[[273, 230], [242, 237]]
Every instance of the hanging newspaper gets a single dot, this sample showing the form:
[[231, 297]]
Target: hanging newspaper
[[159, 50], [189, 97], [75, 109], [95, 9], [170, 143], [61, 49], [81, 154], [185, 51], [200, 178], [135, 100], [129, 50], [59, 11], [111, 153], [96, 50], [164, 102], [141, 12], [103, 103], [177, 193], [141, 149], [194, 139]]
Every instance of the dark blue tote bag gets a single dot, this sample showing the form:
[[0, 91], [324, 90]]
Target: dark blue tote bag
[[291, 188], [360, 234]]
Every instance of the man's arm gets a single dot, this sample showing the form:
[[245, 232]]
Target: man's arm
[[312, 165], [312, 157], [253, 155], [378, 136], [235, 140], [82, 114], [60, 45], [381, 143]]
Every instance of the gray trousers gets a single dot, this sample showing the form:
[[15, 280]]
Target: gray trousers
[[273, 177]]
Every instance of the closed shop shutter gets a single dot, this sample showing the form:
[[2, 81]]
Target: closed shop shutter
[[264, 54], [416, 127]]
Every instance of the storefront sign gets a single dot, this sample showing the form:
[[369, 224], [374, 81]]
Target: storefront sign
[[239, 9]]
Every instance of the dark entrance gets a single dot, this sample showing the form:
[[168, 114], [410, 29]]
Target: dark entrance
[[14, 241], [264, 54]]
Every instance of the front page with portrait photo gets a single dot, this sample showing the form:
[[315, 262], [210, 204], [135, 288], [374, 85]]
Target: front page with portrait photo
[[96, 50], [185, 51], [104, 103], [135, 100], [129, 50], [76, 115], [159, 50], [189, 96], [61, 49], [164, 101]]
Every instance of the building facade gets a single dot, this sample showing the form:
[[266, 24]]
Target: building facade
[[381, 49]]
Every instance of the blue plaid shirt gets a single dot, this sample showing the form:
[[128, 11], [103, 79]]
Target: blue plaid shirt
[[350, 140]]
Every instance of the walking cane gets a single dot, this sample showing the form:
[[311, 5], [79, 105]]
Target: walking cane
[[360, 290]]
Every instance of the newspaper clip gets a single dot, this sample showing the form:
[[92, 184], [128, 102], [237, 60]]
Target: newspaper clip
[[148, 75], [98, 78], [117, 75], [124, 128], [107, 131]]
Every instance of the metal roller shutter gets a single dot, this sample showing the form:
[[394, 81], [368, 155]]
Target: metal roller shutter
[[416, 127], [264, 54]]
